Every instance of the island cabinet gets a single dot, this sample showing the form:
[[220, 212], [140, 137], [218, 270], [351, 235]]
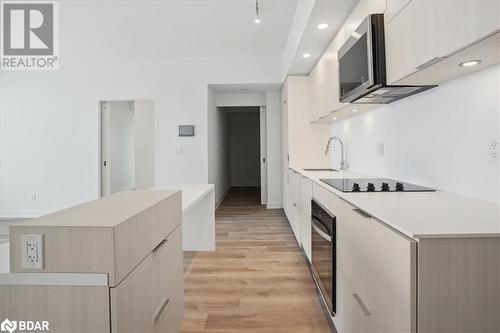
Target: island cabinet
[[452, 285], [110, 265]]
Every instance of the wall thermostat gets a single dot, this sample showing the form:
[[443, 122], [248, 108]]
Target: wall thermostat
[[186, 130]]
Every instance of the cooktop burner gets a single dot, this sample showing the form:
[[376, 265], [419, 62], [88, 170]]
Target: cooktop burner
[[374, 185]]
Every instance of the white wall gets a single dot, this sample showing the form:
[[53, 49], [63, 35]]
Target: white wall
[[244, 128], [438, 138], [218, 147], [273, 115], [144, 144], [49, 141], [121, 145]]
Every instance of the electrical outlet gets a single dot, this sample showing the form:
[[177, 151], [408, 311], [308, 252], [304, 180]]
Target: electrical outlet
[[33, 196], [32, 251], [493, 150]]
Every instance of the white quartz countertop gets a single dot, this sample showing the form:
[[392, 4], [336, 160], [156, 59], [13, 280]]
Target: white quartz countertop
[[191, 193], [420, 214]]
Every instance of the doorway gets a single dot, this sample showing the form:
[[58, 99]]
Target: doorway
[[241, 137], [126, 143]]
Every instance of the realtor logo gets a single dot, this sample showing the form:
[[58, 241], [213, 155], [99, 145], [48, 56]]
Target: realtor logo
[[8, 326], [29, 36]]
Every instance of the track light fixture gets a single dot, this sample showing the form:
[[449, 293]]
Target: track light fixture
[[257, 13]]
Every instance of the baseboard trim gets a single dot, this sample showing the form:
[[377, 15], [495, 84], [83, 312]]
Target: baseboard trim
[[274, 205], [226, 191]]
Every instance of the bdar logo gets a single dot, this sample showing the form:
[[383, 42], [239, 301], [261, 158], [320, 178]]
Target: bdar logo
[[8, 326]]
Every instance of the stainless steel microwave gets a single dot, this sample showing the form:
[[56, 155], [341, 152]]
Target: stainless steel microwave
[[362, 67]]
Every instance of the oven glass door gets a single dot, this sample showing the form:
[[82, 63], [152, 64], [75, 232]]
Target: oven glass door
[[323, 253]]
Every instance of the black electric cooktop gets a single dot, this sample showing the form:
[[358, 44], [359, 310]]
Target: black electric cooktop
[[374, 185]]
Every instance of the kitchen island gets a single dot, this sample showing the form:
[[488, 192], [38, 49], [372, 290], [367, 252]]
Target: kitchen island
[[113, 264]]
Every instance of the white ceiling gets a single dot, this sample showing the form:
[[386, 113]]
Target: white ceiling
[[174, 28], [314, 41]]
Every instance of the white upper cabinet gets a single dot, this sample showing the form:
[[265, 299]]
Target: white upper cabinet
[[393, 8], [324, 82], [423, 32], [324, 78]]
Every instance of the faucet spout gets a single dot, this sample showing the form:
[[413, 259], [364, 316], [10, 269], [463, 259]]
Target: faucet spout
[[343, 165]]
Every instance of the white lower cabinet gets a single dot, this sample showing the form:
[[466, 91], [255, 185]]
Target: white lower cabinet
[[305, 215], [352, 315], [376, 271], [291, 201]]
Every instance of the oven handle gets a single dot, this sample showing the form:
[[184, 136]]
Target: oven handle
[[321, 232]]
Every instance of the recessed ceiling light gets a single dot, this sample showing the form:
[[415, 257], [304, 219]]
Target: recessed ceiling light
[[257, 20], [306, 55], [334, 118], [354, 110], [322, 26], [469, 63]]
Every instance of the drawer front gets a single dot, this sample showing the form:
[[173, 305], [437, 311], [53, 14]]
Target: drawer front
[[151, 297], [138, 236], [380, 264], [326, 198], [352, 314], [131, 301], [168, 279]]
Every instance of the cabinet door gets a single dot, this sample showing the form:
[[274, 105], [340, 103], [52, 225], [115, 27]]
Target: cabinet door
[[407, 38], [295, 209], [305, 213], [284, 134], [389, 277], [457, 24], [168, 281], [393, 8]]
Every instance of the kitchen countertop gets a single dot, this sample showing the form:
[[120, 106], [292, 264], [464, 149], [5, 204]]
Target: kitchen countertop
[[420, 214]]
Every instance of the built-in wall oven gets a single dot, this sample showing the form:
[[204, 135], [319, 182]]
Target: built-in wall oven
[[323, 265]]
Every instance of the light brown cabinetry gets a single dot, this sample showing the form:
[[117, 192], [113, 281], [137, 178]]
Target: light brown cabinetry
[[128, 244], [421, 33], [352, 315], [378, 264], [150, 298]]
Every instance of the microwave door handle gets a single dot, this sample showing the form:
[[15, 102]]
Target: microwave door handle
[[321, 232]]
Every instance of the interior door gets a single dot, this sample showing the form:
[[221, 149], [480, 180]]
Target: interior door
[[263, 156], [104, 161], [117, 146]]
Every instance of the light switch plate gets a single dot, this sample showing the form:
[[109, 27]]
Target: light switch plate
[[32, 251]]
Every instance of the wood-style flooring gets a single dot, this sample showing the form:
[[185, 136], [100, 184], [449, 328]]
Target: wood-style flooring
[[256, 281]]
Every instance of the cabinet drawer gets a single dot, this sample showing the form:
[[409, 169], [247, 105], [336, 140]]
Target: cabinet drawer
[[380, 264], [150, 298], [138, 236], [352, 314], [168, 279], [326, 198]]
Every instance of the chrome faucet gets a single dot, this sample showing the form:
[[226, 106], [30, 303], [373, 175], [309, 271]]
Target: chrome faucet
[[343, 165]]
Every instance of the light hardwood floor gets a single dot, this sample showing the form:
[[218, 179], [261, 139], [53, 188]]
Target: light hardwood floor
[[256, 281]]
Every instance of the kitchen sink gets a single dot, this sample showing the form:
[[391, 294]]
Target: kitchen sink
[[323, 169]]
